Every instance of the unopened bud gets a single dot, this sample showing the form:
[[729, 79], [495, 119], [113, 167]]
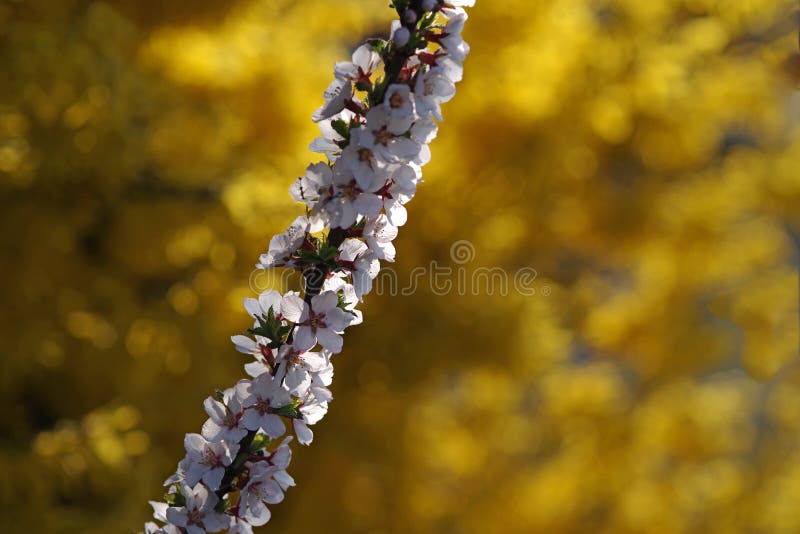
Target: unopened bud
[[410, 17], [428, 5], [401, 36]]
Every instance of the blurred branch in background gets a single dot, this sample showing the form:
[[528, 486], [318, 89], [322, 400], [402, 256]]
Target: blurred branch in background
[[640, 156]]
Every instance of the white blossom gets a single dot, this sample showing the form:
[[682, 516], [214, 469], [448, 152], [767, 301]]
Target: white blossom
[[433, 88], [355, 257], [399, 101], [298, 369], [206, 460], [400, 189], [280, 461], [365, 61], [452, 40], [361, 159], [322, 322], [282, 246], [314, 184], [239, 526], [329, 143], [266, 396], [349, 200], [347, 292], [197, 516], [225, 418], [385, 136], [312, 410], [379, 234], [335, 96]]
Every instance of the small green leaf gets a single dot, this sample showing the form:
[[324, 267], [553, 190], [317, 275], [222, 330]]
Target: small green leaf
[[341, 127], [290, 410], [175, 499], [259, 442]]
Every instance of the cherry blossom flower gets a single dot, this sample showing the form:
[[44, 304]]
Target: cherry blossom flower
[[282, 246], [266, 397], [386, 136], [361, 159], [399, 102], [279, 460], [348, 298], [432, 89], [312, 410], [261, 489], [355, 257], [336, 96], [398, 191], [329, 143], [313, 185], [379, 234], [455, 45], [197, 516], [365, 62], [298, 369], [322, 322], [207, 460], [225, 418], [350, 199]]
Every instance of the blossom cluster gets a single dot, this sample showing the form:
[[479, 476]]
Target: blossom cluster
[[378, 116]]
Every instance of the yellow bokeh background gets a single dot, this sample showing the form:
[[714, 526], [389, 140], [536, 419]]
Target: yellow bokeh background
[[641, 158]]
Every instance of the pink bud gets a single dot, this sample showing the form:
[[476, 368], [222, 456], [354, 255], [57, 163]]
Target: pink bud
[[401, 36], [428, 5]]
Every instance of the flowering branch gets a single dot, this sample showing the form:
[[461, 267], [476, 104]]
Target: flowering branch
[[375, 134]]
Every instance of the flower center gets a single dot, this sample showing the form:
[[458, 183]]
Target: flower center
[[210, 458], [194, 517], [430, 87], [262, 406], [351, 190], [231, 420], [383, 136], [294, 358], [396, 101], [365, 156]]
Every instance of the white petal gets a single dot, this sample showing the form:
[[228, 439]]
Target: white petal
[[270, 299], [304, 339], [293, 308], [245, 345], [273, 425], [368, 204], [324, 302], [213, 478], [330, 340], [304, 434], [253, 307]]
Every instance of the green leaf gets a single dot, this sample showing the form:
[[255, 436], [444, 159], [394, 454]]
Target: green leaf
[[328, 252], [309, 257], [175, 499], [259, 442], [341, 127], [290, 410], [378, 45]]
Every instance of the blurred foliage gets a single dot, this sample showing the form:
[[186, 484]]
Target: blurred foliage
[[642, 156]]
